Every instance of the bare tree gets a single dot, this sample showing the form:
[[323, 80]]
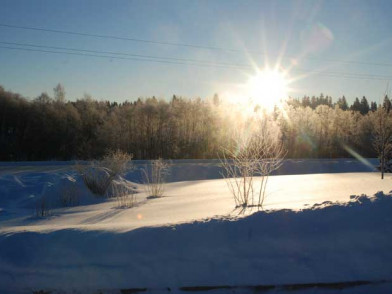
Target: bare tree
[[59, 93], [382, 136], [256, 153]]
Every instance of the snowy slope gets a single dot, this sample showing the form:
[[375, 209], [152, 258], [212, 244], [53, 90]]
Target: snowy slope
[[186, 201], [193, 236], [333, 244]]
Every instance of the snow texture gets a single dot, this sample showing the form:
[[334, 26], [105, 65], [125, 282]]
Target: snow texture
[[317, 228]]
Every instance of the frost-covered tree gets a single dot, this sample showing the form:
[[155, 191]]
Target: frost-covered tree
[[45, 128], [382, 136]]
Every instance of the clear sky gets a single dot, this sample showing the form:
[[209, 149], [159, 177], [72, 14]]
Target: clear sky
[[333, 47]]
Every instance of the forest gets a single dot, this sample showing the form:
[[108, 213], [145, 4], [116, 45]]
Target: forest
[[54, 128]]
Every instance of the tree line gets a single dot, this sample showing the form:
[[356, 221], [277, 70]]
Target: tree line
[[52, 128]]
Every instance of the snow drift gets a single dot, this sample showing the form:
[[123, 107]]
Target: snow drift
[[330, 242]]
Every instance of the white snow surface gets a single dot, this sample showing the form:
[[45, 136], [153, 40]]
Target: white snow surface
[[316, 228]]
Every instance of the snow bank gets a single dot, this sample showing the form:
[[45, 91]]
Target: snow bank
[[22, 189], [331, 242]]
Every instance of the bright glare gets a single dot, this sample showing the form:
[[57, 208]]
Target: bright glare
[[267, 88]]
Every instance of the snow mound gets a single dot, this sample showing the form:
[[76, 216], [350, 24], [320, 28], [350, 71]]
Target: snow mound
[[27, 190]]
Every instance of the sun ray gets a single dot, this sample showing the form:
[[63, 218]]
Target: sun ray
[[268, 87]]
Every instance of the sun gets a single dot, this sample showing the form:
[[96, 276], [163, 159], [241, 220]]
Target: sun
[[267, 88]]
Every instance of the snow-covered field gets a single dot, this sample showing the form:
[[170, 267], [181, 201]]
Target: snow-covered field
[[192, 237]]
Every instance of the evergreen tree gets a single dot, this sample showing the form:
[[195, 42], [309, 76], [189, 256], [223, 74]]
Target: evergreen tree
[[216, 99], [387, 103], [356, 106], [364, 106], [313, 102], [329, 101], [373, 106], [306, 101], [342, 103]]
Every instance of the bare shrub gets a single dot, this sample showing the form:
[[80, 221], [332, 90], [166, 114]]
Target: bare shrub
[[42, 207], [255, 153], [239, 169], [154, 178], [125, 197], [69, 194], [98, 175], [269, 154]]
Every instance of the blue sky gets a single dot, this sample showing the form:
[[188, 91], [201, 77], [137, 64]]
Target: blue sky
[[314, 38]]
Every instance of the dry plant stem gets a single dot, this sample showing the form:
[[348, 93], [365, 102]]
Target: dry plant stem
[[239, 178], [125, 197], [69, 196], [155, 178], [263, 186], [42, 207]]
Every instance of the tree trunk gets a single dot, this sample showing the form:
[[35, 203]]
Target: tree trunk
[[382, 165]]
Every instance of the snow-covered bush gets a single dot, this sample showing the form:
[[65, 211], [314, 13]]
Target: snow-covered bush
[[154, 178], [99, 175]]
